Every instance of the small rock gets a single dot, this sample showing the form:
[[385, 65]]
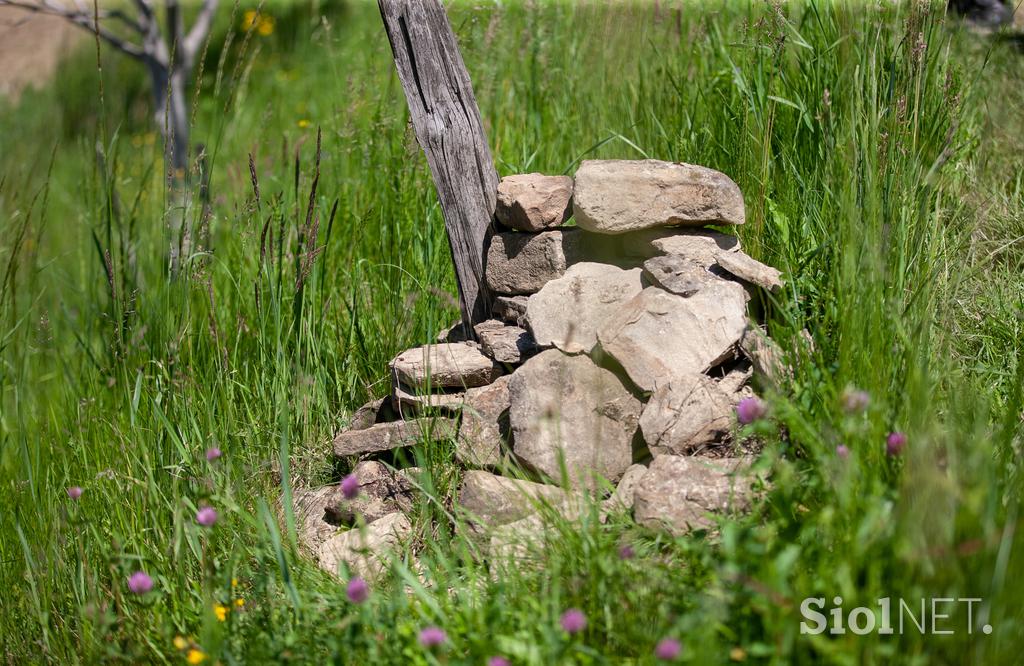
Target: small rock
[[505, 344], [751, 270], [615, 196], [373, 412], [408, 403], [457, 332], [533, 201], [736, 378], [366, 550], [676, 274], [685, 414], [382, 491], [622, 498], [395, 435], [678, 492], [658, 335], [520, 263], [567, 312], [510, 309], [447, 365], [701, 246], [489, 500], [567, 407], [484, 425]]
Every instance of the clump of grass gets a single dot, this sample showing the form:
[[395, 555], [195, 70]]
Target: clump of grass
[[863, 147]]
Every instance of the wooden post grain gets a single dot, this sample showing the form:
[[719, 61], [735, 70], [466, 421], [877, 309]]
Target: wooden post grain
[[448, 127]]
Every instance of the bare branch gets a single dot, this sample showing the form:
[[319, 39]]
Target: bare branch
[[83, 20], [200, 29]]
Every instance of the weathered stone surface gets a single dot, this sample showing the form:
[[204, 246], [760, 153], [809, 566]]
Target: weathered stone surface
[[685, 414], [622, 498], [736, 379], [751, 270], [615, 196], [533, 201], [373, 412], [567, 406], [678, 492], [676, 274], [489, 500], [567, 312], [520, 263], [446, 365], [395, 435], [701, 246], [520, 543], [764, 354], [382, 491], [310, 508], [658, 335], [511, 309], [366, 550], [484, 425], [505, 343]]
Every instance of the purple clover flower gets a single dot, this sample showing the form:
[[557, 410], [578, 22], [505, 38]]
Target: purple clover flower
[[206, 516], [749, 410], [626, 552], [573, 621], [140, 582], [843, 451], [498, 661], [213, 453], [895, 442], [74, 492], [855, 400], [350, 487], [668, 649], [357, 590], [432, 636]]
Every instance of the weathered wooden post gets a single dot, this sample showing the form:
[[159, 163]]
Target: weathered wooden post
[[448, 127]]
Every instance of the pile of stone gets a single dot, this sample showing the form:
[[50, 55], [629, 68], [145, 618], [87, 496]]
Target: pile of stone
[[618, 351]]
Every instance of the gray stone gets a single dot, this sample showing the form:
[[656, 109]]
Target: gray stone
[[395, 435], [409, 403], [676, 274], [510, 309], [567, 407], [489, 500], [678, 492], [615, 196], [445, 365], [765, 355], [735, 379], [701, 246], [686, 414], [484, 425], [505, 343], [533, 201], [519, 263], [751, 270], [382, 491], [457, 332], [373, 412], [365, 550], [658, 335], [622, 498], [310, 509], [567, 312]]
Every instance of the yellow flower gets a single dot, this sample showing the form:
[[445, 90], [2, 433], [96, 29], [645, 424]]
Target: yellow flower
[[248, 19], [195, 656], [738, 654], [221, 611], [266, 26], [303, 123], [239, 602], [180, 642], [234, 582]]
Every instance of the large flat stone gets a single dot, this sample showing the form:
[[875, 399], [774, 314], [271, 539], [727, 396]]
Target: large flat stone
[[657, 335], [519, 263], [533, 201], [488, 500], [616, 196], [394, 435], [568, 408], [701, 246], [686, 414], [505, 343], [679, 492], [484, 425], [567, 312], [445, 365], [366, 550]]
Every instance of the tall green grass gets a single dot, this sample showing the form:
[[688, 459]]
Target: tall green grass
[[879, 173]]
